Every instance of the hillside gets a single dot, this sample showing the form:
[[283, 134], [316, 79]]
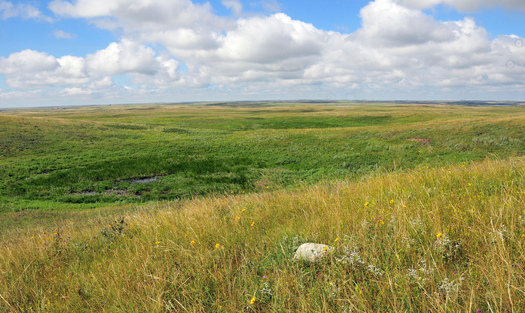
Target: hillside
[[443, 240]]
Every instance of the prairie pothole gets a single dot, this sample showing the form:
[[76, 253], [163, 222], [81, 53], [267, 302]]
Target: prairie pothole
[[144, 180]]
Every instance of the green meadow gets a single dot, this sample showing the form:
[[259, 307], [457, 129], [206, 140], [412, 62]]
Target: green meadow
[[90, 157], [200, 207]]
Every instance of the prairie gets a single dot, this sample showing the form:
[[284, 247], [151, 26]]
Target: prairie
[[423, 204], [91, 157]]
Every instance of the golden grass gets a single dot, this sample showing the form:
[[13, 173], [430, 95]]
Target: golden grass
[[442, 240]]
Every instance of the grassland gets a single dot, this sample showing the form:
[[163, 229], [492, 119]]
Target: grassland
[[89, 157], [435, 223], [439, 240]]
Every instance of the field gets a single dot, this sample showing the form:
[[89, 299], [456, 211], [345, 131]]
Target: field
[[199, 208]]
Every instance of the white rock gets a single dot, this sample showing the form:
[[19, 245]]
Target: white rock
[[312, 252]]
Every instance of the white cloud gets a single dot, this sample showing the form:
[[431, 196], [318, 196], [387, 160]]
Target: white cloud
[[273, 39], [183, 27], [25, 11], [124, 57], [60, 34], [167, 74], [102, 83], [466, 5], [75, 91], [33, 69], [92, 8], [70, 66], [141, 14], [30, 69], [385, 23], [27, 61], [234, 5], [409, 49], [184, 41], [399, 49]]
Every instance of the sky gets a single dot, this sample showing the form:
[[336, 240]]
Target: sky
[[78, 52]]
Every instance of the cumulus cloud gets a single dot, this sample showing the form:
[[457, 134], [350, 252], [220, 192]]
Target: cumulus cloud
[[102, 83], [270, 40], [141, 14], [398, 47], [386, 23], [123, 57], [93, 8], [25, 11], [185, 28], [32, 69], [416, 51], [466, 5], [234, 5], [75, 91], [27, 61]]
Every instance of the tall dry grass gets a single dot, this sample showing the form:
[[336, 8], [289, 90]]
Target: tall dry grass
[[439, 240]]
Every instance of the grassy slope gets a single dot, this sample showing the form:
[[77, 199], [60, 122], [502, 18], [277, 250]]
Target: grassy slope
[[85, 157], [443, 240], [387, 200]]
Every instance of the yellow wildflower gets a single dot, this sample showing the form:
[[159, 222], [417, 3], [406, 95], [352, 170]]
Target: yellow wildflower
[[336, 239], [439, 235], [192, 242], [253, 223], [252, 301], [157, 242], [366, 203], [217, 246], [392, 201]]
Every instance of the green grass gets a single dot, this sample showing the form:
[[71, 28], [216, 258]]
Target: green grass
[[90, 155]]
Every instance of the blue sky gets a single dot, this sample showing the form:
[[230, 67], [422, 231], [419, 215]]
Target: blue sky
[[71, 52]]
